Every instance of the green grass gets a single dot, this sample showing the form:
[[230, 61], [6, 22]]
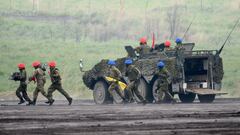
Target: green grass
[[100, 30]]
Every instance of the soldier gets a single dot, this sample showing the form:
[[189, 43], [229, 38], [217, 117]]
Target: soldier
[[56, 84], [178, 41], [115, 74], [163, 82], [134, 76], [167, 45], [21, 91], [40, 78], [143, 48]]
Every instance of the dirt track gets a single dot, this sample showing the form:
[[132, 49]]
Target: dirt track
[[220, 117]]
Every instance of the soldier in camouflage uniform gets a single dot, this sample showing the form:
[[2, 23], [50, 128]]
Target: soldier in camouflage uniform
[[134, 76], [40, 78], [143, 48], [21, 91], [115, 74], [56, 84], [163, 82], [167, 45], [178, 42]]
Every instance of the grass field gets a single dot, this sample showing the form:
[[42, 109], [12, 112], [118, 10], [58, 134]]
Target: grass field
[[70, 30]]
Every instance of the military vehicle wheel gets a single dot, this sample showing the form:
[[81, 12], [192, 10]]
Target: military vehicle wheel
[[187, 98], [206, 98], [100, 93], [166, 99], [144, 90]]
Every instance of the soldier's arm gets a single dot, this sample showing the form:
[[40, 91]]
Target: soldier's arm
[[137, 71], [119, 74], [137, 49], [32, 77], [167, 73], [168, 76]]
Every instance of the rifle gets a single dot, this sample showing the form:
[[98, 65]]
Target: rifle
[[15, 76], [220, 50], [188, 28]]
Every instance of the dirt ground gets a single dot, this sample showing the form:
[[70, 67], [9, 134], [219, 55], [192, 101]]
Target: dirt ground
[[84, 117]]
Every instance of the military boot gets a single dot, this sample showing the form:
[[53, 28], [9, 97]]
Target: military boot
[[51, 102], [29, 103], [70, 101], [47, 102], [21, 102], [34, 102]]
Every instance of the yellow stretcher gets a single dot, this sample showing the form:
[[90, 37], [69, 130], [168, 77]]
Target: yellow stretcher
[[122, 85]]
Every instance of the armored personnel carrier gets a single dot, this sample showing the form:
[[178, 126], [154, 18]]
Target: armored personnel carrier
[[193, 73]]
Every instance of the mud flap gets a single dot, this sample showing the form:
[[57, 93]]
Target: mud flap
[[206, 92]]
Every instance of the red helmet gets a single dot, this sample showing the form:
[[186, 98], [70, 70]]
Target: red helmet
[[167, 43], [21, 66], [36, 63], [52, 64], [143, 40]]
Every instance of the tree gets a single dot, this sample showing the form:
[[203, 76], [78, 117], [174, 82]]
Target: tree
[[173, 20]]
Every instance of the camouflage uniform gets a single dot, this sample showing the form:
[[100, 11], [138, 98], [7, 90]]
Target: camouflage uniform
[[142, 49], [40, 77], [21, 91], [179, 46], [134, 75], [56, 85], [162, 84], [115, 74], [168, 49]]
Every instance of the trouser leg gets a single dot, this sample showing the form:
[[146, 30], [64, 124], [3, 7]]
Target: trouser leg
[[51, 89], [18, 94], [169, 95], [63, 92], [163, 91], [130, 90], [35, 95], [24, 94], [41, 89], [160, 93], [137, 93], [111, 88], [114, 86], [120, 93]]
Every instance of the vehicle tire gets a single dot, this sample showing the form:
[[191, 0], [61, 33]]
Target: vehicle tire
[[187, 98], [206, 98], [100, 93], [166, 99], [145, 91]]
